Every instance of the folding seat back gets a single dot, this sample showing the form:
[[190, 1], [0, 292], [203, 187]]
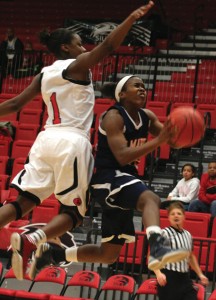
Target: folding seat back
[[44, 214], [30, 116], [9, 281], [159, 108], [3, 182], [36, 103], [18, 165], [83, 284], [26, 132], [21, 148], [3, 164], [197, 223], [205, 251], [213, 295], [50, 280], [208, 108], [148, 287], [4, 147], [10, 117], [213, 232], [200, 291], [133, 253], [117, 287], [164, 222]]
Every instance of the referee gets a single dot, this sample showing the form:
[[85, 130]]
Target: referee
[[174, 280]]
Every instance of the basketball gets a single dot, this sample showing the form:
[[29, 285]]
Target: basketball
[[190, 127]]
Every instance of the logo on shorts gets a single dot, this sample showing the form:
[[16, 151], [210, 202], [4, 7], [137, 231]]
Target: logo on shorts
[[77, 201]]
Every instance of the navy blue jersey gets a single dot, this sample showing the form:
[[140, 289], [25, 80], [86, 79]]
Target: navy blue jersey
[[104, 157]]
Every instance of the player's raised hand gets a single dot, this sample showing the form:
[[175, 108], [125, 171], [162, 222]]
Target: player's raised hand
[[141, 11]]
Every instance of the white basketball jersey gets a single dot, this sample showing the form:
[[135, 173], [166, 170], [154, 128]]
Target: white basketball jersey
[[68, 103]]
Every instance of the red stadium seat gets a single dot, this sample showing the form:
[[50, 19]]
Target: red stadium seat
[[30, 116], [208, 108], [212, 296], [4, 147], [26, 132], [3, 164], [148, 287], [117, 283], [21, 148], [159, 108], [205, 251], [50, 280], [9, 281], [133, 253], [213, 232], [83, 283]]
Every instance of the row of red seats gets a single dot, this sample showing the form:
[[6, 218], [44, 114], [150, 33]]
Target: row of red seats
[[84, 282]]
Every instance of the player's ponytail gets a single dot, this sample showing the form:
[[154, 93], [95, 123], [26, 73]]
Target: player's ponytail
[[54, 40]]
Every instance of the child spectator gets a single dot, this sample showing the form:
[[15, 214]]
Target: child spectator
[[206, 202], [187, 188]]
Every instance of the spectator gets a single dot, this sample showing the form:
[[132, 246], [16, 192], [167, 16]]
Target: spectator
[[186, 189], [11, 51], [174, 280], [206, 202], [31, 63]]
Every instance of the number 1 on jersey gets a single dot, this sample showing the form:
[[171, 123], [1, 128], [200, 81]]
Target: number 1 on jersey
[[56, 115]]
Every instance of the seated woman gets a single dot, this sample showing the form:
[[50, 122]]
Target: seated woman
[[187, 188]]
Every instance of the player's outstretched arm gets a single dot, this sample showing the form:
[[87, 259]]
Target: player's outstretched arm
[[111, 42]]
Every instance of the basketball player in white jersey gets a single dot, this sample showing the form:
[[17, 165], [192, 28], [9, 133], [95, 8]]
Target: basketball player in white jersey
[[60, 160]]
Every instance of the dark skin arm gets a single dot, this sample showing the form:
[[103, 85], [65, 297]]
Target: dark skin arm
[[113, 125], [78, 70], [17, 103]]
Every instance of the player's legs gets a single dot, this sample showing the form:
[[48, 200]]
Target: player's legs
[[16, 210], [49, 253]]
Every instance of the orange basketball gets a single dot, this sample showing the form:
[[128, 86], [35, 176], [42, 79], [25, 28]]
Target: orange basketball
[[190, 127]]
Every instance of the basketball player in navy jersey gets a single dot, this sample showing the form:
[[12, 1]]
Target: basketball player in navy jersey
[[60, 160], [122, 140]]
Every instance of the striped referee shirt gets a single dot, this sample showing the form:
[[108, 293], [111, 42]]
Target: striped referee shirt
[[179, 239]]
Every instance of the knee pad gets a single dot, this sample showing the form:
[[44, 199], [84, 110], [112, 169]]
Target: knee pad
[[73, 213], [18, 209]]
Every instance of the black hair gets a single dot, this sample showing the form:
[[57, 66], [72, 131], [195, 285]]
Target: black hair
[[55, 39], [108, 90], [189, 165]]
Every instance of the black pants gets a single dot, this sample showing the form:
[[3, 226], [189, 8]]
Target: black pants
[[179, 287]]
